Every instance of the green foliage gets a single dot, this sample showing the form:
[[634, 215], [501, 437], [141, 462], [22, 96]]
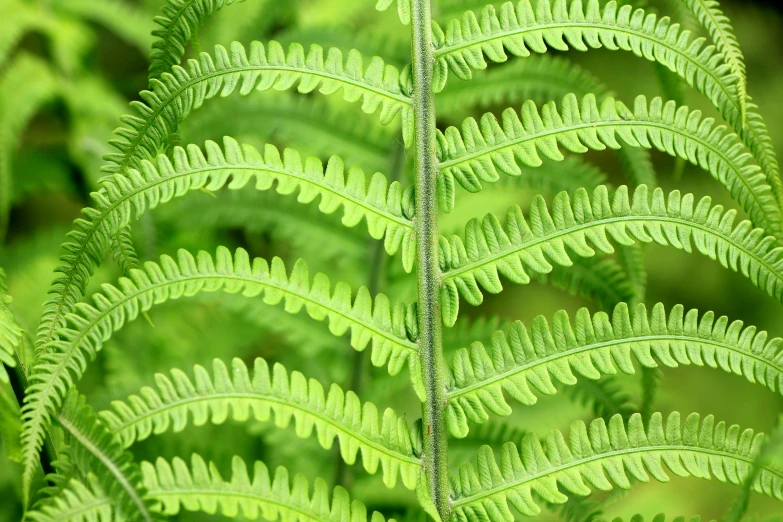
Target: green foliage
[[238, 395], [481, 150], [176, 94], [287, 175], [603, 456], [488, 249], [525, 363]]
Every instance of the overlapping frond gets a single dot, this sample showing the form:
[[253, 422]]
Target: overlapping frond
[[11, 333], [539, 78], [200, 487], [601, 280], [311, 125], [77, 502], [178, 22], [124, 197], [175, 95], [489, 250], [235, 393], [389, 328], [527, 362], [483, 150], [468, 42], [93, 448], [657, 518], [603, 456], [710, 15]]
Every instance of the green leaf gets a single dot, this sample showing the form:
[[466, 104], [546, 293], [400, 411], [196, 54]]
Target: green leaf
[[78, 502], [199, 487], [96, 450], [179, 21], [65, 359], [11, 334], [173, 97], [124, 197], [483, 150], [236, 394], [525, 363], [488, 250], [404, 8], [603, 456], [468, 43], [709, 15]]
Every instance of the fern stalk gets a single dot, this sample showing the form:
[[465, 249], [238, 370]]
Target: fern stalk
[[428, 271]]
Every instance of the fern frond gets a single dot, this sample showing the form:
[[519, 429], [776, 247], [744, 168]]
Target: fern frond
[[11, 334], [488, 249], [235, 393], [199, 487], [26, 85], [599, 279], [482, 150], [94, 448], [177, 94], [370, 320], [310, 125], [125, 196], [561, 24], [538, 78], [604, 456], [526, 363], [179, 21], [710, 16], [77, 502]]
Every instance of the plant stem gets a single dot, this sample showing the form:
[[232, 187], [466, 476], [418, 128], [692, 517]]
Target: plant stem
[[427, 270]]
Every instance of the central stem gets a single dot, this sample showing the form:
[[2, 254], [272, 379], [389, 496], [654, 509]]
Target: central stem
[[428, 271]]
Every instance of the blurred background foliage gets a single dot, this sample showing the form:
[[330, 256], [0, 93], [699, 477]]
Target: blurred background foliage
[[68, 69]]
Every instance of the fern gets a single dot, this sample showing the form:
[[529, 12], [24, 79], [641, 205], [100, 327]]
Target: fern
[[467, 42], [234, 166], [309, 125], [94, 448], [78, 502], [11, 333], [488, 249], [236, 394], [303, 146], [709, 14], [176, 94], [481, 150], [178, 22], [370, 320], [201, 488], [604, 457], [523, 364]]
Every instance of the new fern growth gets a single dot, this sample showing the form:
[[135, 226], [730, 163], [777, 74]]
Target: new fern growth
[[105, 451]]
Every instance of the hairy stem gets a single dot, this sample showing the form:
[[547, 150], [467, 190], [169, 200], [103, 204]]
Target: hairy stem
[[428, 271]]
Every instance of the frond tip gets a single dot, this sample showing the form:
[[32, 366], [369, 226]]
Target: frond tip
[[488, 250], [201, 488], [602, 456], [528, 361], [235, 393]]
